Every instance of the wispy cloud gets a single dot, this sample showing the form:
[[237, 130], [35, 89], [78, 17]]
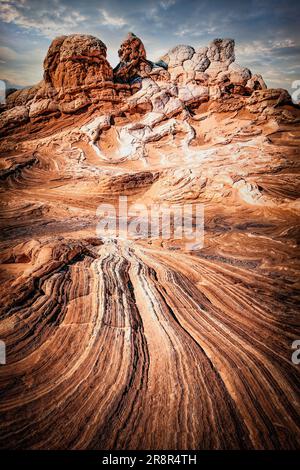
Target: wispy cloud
[[165, 4], [47, 18], [7, 54], [111, 20]]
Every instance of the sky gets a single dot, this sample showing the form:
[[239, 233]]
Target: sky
[[266, 32]]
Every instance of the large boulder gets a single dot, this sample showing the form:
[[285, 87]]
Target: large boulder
[[220, 54], [175, 60], [221, 50], [268, 99], [76, 74], [185, 64], [74, 66], [199, 62], [76, 61], [179, 54], [256, 82]]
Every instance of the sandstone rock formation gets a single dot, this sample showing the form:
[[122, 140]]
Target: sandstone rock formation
[[133, 63], [148, 342], [77, 68], [77, 75]]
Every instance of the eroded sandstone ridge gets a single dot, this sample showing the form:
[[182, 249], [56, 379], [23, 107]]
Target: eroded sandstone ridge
[[115, 343], [78, 75]]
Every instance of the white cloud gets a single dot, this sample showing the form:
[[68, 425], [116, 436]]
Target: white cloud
[[284, 43], [165, 4], [110, 20], [49, 20], [260, 47], [9, 12], [24, 69], [7, 54]]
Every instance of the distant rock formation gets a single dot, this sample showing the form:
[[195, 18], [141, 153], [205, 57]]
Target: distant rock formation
[[77, 75]]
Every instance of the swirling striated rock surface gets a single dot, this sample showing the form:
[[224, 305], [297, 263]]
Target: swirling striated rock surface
[[145, 343]]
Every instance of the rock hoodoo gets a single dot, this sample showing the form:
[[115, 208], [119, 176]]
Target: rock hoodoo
[[76, 74], [133, 63], [77, 68]]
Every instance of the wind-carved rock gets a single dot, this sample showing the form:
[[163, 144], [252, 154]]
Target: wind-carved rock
[[212, 65], [77, 75], [133, 64], [77, 68], [76, 60], [221, 51]]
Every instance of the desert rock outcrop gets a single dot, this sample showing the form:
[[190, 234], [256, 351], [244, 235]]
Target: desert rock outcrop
[[133, 63], [144, 341]]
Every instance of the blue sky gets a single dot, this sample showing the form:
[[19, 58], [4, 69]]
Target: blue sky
[[266, 32]]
